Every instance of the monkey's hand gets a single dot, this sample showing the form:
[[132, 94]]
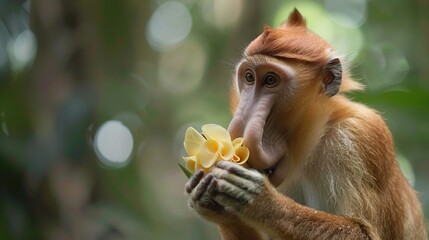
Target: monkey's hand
[[240, 190], [200, 192]]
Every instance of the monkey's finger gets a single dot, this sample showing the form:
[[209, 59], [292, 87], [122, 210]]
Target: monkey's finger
[[228, 202], [201, 187], [211, 188], [234, 192], [241, 171], [193, 181], [240, 182]]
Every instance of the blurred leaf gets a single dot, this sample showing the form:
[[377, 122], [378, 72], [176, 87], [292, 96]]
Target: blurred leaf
[[185, 171]]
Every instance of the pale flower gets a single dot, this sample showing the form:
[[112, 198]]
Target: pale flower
[[213, 145]]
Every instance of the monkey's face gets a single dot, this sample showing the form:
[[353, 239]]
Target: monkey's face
[[265, 87], [285, 79]]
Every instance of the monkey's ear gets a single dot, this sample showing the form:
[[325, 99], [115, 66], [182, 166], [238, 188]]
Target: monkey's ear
[[295, 19], [332, 77]]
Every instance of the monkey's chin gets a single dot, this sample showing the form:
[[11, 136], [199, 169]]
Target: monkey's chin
[[276, 173], [271, 173], [275, 179]]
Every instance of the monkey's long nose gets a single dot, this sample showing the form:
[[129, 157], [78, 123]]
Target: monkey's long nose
[[238, 122], [236, 126]]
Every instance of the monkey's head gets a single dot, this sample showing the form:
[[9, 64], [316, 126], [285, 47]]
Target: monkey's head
[[287, 78]]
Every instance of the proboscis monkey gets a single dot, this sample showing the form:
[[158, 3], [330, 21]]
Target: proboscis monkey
[[321, 166]]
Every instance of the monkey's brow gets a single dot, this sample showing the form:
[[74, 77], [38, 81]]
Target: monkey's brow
[[257, 59]]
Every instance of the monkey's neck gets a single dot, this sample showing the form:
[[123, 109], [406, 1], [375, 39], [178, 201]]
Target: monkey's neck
[[343, 108], [310, 125]]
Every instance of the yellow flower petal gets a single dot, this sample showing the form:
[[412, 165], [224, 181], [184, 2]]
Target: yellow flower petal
[[214, 145], [241, 155], [191, 163], [193, 141], [238, 142], [216, 132], [227, 151], [199, 166], [209, 153]]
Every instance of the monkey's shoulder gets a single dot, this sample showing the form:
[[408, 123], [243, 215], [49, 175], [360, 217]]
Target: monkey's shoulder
[[368, 129], [363, 137], [359, 121]]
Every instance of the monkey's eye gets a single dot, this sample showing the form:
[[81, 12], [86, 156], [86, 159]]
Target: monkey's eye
[[250, 79], [270, 80]]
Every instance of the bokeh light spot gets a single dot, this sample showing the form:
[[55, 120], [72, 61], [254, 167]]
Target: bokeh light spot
[[22, 50], [113, 144], [169, 25], [406, 169], [345, 40], [384, 65], [347, 13], [222, 13], [181, 70]]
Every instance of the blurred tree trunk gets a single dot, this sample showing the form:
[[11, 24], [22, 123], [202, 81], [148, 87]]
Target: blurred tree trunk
[[63, 99], [86, 53]]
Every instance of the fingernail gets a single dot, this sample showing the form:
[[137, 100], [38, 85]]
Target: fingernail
[[188, 188]]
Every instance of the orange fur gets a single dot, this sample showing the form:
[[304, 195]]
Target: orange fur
[[292, 40], [342, 180]]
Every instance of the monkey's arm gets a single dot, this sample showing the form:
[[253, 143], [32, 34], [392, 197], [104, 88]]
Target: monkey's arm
[[251, 197], [201, 200], [238, 231]]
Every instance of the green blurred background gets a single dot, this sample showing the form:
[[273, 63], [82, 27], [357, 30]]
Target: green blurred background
[[95, 97]]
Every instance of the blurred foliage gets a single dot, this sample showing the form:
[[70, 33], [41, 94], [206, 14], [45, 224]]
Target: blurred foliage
[[156, 67]]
